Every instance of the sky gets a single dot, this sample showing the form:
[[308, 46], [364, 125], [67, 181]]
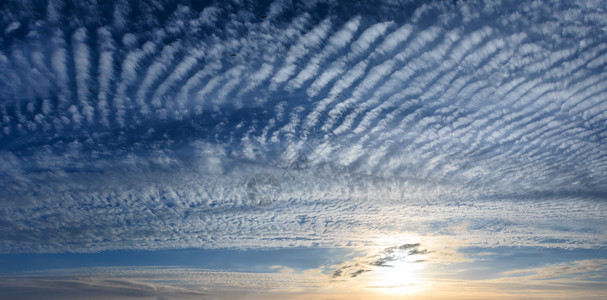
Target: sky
[[303, 149]]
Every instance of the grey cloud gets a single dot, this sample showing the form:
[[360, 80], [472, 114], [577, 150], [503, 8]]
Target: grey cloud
[[375, 261], [90, 288], [149, 283], [358, 272], [392, 253]]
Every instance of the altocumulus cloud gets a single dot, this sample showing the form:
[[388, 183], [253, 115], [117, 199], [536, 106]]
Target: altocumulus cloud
[[130, 124]]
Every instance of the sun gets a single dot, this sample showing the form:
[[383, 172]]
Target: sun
[[398, 273], [399, 278]]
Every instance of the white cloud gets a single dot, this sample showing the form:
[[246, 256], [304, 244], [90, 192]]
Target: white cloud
[[307, 42], [105, 73], [82, 66], [142, 133], [58, 64], [12, 27], [153, 72], [335, 43], [358, 47]]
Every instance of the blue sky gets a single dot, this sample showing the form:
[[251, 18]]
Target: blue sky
[[228, 260], [294, 149]]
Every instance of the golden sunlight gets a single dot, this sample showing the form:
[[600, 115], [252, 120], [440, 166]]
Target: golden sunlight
[[399, 274]]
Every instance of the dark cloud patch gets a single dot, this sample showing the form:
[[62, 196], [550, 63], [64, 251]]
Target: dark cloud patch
[[358, 272], [383, 259], [336, 273], [388, 255]]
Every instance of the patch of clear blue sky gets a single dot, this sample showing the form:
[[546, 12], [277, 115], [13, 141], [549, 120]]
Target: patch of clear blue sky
[[488, 263], [217, 259]]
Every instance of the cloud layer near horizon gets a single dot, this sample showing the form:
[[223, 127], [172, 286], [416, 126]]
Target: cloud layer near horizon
[[577, 279], [130, 125]]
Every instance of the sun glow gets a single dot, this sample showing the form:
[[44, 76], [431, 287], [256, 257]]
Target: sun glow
[[397, 270], [398, 277]]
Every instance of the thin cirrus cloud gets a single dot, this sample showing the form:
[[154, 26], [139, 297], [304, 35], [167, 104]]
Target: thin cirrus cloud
[[131, 126], [156, 283]]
